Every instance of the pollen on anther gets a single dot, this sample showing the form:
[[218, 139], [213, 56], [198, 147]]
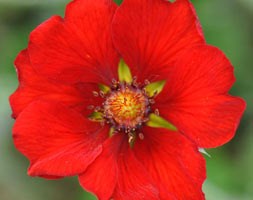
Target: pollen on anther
[[141, 136], [90, 107], [130, 137], [102, 94], [95, 93], [146, 82], [145, 120], [157, 112], [102, 123], [97, 108], [151, 101]]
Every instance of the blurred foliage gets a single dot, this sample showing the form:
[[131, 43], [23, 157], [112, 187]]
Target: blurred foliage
[[227, 24], [118, 1]]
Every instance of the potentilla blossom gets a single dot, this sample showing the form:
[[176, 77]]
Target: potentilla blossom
[[124, 97]]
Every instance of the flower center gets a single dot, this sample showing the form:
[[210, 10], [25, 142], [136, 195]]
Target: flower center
[[127, 105], [126, 108]]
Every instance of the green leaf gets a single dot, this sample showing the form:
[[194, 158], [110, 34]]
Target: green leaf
[[124, 72], [156, 121], [87, 196], [96, 116], [154, 88], [104, 88]]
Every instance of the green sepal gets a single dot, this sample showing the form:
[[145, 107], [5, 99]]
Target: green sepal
[[124, 72], [156, 121], [104, 88], [96, 116], [154, 88]]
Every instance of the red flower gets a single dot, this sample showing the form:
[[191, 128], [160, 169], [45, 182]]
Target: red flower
[[129, 131]]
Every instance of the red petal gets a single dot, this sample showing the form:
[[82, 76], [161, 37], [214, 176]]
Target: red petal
[[100, 178], [134, 182], [33, 86], [79, 47], [173, 162], [117, 170], [57, 141], [195, 97], [149, 34]]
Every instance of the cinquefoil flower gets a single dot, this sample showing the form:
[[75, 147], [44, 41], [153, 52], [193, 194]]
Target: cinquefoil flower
[[124, 97]]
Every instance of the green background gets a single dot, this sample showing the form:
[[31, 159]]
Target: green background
[[227, 24]]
